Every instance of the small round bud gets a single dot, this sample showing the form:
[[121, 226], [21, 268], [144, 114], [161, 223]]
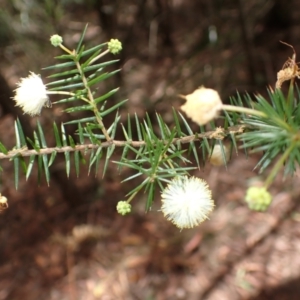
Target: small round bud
[[123, 207], [258, 198], [114, 46], [3, 203], [219, 157], [56, 40]]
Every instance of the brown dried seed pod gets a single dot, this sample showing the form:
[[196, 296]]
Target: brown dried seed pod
[[289, 71]]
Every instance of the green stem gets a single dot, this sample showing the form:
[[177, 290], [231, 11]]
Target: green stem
[[92, 102], [258, 113], [67, 50], [99, 56], [90, 99], [132, 196], [245, 110], [278, 165], [291, 93], [69, 94]]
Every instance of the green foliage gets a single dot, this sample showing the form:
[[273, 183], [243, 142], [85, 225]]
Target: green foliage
[[274, 135]]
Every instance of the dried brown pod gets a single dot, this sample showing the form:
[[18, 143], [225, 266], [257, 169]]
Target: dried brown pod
[[289, 71]]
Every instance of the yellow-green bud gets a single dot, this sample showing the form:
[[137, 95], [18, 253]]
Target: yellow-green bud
[[56, 40], [114, 46], [123, 207], [258, 198]]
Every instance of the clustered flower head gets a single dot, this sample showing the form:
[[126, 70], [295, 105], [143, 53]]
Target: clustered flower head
[[31, 94], [258, 198], [56, 40], [187, 201], [203, 105], [114, 46], [123, 207]]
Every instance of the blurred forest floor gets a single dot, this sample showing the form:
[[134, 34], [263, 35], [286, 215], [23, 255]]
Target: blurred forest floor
[[67, 242]]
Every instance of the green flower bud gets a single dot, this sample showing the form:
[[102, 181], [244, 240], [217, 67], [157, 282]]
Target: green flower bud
[[114, 46], [258, 198], [56, 40], [123, 207]]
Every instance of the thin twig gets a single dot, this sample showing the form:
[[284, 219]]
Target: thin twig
[[219, 133], [92, 102]]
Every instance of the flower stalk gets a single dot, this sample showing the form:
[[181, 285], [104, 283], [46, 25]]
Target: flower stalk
[[244, 110], [278, 165], [89, 92]]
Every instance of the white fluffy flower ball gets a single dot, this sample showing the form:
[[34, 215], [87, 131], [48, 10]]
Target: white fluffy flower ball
[[203, 105], [187, 201], [31, 94]]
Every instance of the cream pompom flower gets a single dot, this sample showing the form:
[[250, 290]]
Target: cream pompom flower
[[202, 105], [187, 201], [31, 94]]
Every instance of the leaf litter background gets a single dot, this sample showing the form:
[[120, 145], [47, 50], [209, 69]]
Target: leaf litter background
[[66, 241]]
